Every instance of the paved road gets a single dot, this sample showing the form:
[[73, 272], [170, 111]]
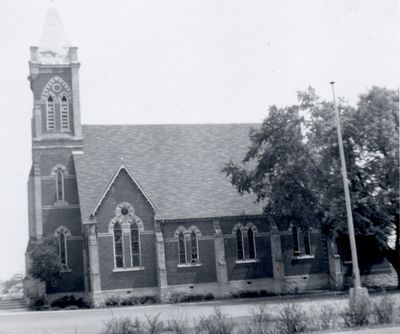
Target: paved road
[[92, 321]]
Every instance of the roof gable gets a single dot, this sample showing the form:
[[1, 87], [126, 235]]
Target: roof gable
[[117, 172]]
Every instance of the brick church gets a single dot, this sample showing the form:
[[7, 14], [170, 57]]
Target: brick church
[[144, 210]]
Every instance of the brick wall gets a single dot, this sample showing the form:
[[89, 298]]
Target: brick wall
[[125, 190]]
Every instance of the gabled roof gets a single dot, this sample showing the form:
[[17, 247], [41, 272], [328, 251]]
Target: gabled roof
[[103, 195], [177, 166]]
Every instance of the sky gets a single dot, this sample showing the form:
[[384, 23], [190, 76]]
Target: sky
[[180, 61]]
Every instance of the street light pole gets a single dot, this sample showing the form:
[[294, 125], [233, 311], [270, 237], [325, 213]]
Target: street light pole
[[353, 247]]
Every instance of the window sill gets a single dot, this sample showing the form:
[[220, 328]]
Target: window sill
[[189, 265], [347, 262], [61, 203], [247, 261], [119, 270], [65, 270], [302, 257]]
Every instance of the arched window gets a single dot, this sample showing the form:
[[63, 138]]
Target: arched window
[[252, 244], [193, 248], [239, 244], [118, 246], [135, 245], [181, 248], [64, 114], [61, 235], [296, 241], [307, 242], [60, 184], [51, 124], [62, 249]]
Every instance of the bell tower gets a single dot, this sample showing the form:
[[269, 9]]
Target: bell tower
[[54, 81]]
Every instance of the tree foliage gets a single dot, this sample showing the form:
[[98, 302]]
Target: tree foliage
[[293, 166], [45, 262]]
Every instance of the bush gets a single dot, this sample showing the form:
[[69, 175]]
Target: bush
[[131, 300], [291, 319], [178, 326], [123, 326], [383, 310], [357, 314], [218, 323], [325, 317], [126, 325], [68, 302], [261, 322], [38, 304], [180, 297]]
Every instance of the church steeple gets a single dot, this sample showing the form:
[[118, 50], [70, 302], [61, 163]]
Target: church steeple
[[53, 42], [54, 82]]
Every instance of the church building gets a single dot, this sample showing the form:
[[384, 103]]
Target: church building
[[145, 210]]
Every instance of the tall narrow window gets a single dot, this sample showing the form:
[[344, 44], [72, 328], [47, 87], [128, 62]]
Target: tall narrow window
[[307, 242], [60, 185], [62, 249], [296, 241], [118, 246], [51, 124], [193, 247], [135, 244], [239, 244], [181, 248], [64, 114], [252, 245]]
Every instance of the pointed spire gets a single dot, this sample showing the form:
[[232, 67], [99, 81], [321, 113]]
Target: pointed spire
[[53, 45], [53, 34]]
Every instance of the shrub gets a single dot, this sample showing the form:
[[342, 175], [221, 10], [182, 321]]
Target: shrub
[[208, 296], [357, 313], [113, 301], [180, 297], [291, 319], [154, 325], [125, 325], [178, 326], [261, 322], [69, 301], [325, 317], [383, 310], [38, 304], [218, 323]]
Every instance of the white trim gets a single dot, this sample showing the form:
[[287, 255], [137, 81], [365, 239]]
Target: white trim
[[119, 270], [247, 261], [189, 265], [56, 79], [303, 257], [60, 205], [100, 201]]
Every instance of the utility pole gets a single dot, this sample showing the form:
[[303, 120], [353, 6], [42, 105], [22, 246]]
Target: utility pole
[[357, 291]]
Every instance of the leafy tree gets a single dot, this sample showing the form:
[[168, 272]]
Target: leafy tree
[[293, 165], [45, 262], [278, 168]]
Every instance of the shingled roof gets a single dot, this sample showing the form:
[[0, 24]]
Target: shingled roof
[[177, 166]]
